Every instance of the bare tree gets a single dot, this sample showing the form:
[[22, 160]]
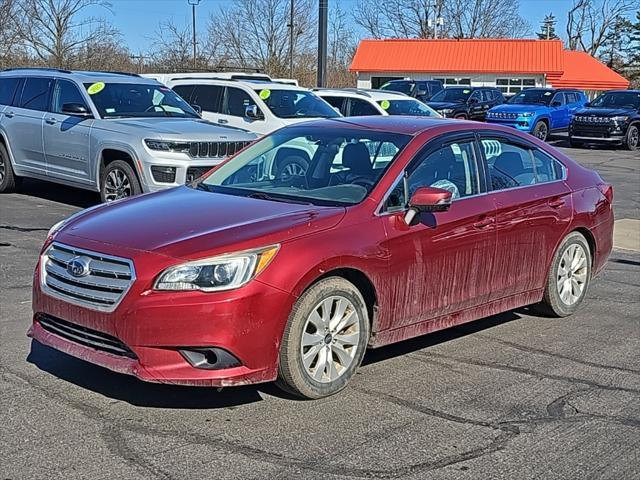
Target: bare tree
[[341, 48], [397, 18], [9, 35], [56, 30], [591, 23], [485, 19]]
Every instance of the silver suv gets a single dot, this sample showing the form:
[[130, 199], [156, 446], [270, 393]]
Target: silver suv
[[116, 133]]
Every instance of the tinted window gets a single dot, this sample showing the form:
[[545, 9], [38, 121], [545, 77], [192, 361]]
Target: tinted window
[[452, 168], [558, 99], [487, 96], [617, 100], [571, 97], [459, 95], [66, 92], [185, 91], [207, 97], [509, 165], [35, 94], [362, 107], [532, 97], [403, 86], [296, 104], [7, 90], [237, 102], [408, 106], [546, 168], [336, 102]]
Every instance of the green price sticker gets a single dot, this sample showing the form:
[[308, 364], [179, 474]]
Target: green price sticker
[[264, 94], [547, 94], [385, 104], [95, 88], [466, 91]]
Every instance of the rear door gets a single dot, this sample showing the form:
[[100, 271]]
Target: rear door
[[533, 211], [67, 138], [359, 108], [340, 103], [23, 121], [476, 106], [207, 97]]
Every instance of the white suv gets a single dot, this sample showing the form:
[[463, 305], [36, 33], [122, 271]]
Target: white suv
[[356, 102], [253, 102]]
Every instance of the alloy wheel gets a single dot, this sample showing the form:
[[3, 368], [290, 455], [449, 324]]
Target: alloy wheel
[[542, 131], [292, 169], [634, 138], [117, 185], [330, 339], [572, 274]]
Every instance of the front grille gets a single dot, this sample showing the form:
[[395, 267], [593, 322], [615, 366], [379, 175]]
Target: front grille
[[596, 131], [86, 278], [163, 174], [84, 336], [193, 173], [215, 149], [592, 120]]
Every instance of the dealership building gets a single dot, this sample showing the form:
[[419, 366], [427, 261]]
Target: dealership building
[[509, 65]]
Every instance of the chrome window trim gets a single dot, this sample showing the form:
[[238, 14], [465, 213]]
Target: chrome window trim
[[52, 293]]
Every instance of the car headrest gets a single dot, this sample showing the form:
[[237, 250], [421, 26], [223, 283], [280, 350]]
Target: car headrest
[[509, 163], [357, 159]]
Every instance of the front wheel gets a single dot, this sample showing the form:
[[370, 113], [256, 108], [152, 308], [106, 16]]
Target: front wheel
[[325, 339], [569, 277], [541, 130], [118, 181], [8, 179], [632, 140]]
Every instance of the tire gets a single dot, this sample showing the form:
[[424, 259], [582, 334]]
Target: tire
[[301, 370], [555, 302], [460, 116], [292, 166], [541, 131], [632, 139], [8, 179], [115, 172]]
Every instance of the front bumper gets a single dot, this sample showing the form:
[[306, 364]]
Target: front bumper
[[155, 326], [597, 133], [524, 125]]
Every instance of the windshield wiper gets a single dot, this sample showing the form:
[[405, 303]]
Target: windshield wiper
[[266, 196]]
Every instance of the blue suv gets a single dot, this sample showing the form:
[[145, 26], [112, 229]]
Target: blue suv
[[539, 111]]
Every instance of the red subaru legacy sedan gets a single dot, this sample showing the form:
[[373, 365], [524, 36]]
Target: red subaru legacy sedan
[[395, 227]]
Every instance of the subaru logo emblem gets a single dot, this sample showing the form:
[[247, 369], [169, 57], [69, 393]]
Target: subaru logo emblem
[[79, 266]]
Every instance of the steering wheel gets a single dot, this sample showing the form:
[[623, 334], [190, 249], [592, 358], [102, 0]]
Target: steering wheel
[[153, 107]]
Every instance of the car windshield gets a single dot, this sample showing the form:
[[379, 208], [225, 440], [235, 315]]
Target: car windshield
[[403, 86], [458, 95], [115, 100], [532, 97], [617, 100], [296, 104], [407, 107], [329, 166]]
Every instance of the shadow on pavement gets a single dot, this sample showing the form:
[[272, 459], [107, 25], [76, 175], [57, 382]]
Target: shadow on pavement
[[59, 193]]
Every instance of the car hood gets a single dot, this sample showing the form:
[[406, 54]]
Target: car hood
[[519, 108], [443, 105], [188, 223], [606, 112], [174, 128]]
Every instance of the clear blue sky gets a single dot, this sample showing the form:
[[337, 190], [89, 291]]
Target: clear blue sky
[[138, 19]]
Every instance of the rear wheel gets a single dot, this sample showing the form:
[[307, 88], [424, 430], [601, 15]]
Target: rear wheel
[[632, 140], [8, 179], [541, 130], [460, 116], [325, 339], [569, 277], [118, 181]]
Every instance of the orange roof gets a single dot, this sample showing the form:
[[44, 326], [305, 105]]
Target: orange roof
[[563, 68], [583, 71], [473, 56]]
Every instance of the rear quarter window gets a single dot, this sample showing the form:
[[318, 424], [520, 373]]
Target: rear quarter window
[[35, 94], [7, 90]]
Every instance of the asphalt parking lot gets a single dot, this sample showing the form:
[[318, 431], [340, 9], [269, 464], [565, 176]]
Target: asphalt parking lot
[[510, 396]]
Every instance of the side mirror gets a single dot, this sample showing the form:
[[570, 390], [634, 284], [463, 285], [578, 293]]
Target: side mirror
[[76, 109], [428, 199], [473, 101], [588, 104], [555, 104], [197, 108], [253, 113]]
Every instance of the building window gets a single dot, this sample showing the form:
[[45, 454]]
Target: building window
[[448, 82], [511, 86]]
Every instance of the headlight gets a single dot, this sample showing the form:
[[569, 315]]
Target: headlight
[[446, 111], [527, 114], [224, 272], [621, 119], [167, 145]]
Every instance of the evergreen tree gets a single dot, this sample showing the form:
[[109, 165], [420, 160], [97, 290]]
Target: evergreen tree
[[548, 28]]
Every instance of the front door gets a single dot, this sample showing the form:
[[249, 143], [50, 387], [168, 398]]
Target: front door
[[559, 112], [67, 137], [444, 263], [533, 212]]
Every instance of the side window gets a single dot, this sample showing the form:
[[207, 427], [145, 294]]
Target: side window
[[452, 167], [237, 102], [207, 97], [8, 90], [66, 92], [185, 91], [487, 96], [558, 97], [362, 107], [35, 94], [571, 97], [547, 168], [336, 102], [477, 95], [509, 165]]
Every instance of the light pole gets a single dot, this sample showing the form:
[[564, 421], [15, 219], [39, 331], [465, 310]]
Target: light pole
[[291, 27], [322, 42], [193, 4]]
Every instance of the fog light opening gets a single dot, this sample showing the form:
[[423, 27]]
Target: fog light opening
[[212, 358]]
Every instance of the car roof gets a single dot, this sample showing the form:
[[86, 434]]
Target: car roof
[[81, 76], [363, 93]]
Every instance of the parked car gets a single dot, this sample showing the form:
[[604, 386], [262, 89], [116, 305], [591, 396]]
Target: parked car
[[255, 279], [539, 111], [356, 102], [612, 118], [115, 133], [466, 103], [423, 90], [252, 102]]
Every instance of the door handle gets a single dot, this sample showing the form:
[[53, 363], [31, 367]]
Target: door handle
[[485, 222], [50, 121], [223, 121], [10, 114], [556, 203]]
